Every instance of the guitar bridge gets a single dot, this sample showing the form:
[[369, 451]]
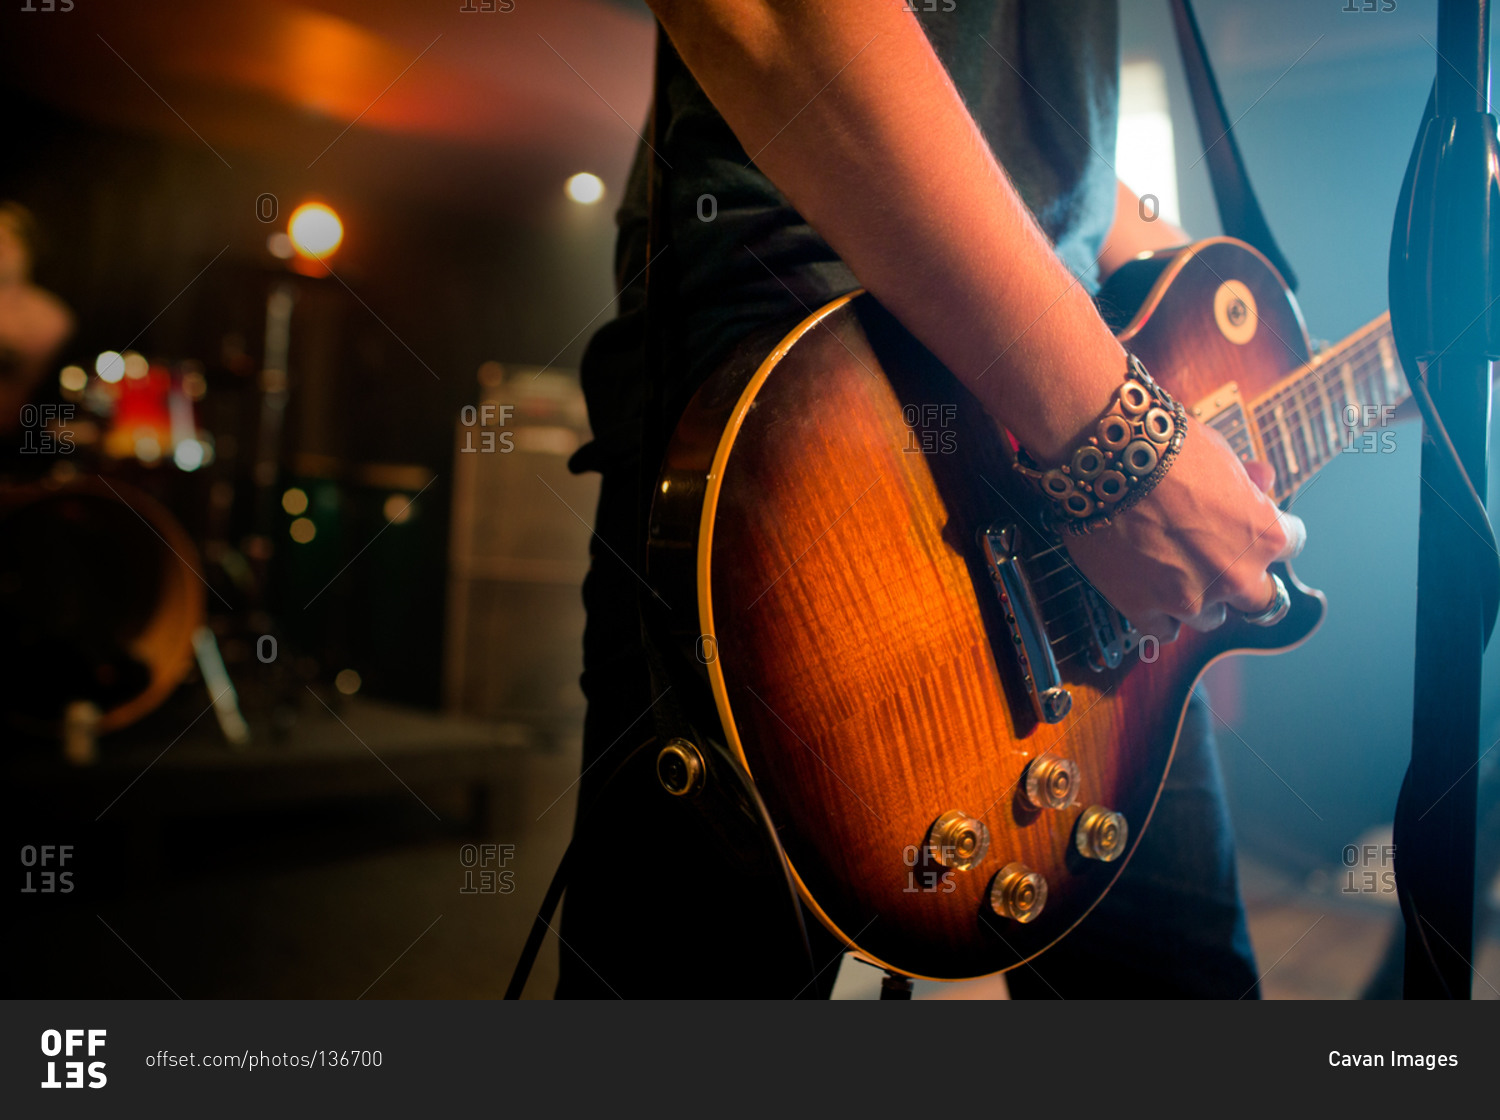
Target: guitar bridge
[[1023, 617], [1106, 639]]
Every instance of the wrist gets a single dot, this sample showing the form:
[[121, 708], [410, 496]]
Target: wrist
[[1122, 456], [1066, 399]]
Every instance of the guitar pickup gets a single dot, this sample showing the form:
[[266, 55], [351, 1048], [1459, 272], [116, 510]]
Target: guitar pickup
[[1023, 617]]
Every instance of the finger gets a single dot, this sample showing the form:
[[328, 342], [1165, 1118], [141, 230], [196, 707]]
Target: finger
[[1296, 536], [1261, 473], [1209, 619], [1164, 628], [1260, 602]]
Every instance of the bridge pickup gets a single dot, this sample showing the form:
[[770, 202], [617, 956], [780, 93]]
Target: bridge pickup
[[1023, 617]]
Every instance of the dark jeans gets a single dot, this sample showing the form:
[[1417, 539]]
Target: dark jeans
[[651, 912]]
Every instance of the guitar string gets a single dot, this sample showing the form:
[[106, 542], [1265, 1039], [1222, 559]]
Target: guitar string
[[1055, 619], [1037, 556], [1357, 354], [1366, 365], [1069, 634], [1283, 438], [1281, 435], [1044, 601], [1303, 406], [1038, 579], [1304, 424], [1362, 369], [1362, 374], [1289, 428]]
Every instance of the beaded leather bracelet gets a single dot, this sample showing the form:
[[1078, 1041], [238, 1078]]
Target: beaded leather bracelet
[[1130, 451]]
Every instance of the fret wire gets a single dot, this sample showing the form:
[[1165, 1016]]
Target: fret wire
[[1357, 356], [1299, 439], [1366, 372], [1264, 412]]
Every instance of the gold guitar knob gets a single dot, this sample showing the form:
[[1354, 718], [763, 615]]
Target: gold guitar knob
[[679, 768], [1101, 834], [957, 840], [1018, 893], [1051, 782]]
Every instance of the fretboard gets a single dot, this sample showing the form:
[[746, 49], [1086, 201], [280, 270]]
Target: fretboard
[[1324, 409]]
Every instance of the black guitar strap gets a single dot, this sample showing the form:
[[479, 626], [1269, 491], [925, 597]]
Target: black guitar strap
[[1239, 212]]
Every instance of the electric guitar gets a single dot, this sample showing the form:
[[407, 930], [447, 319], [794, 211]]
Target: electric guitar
[[959, 742]]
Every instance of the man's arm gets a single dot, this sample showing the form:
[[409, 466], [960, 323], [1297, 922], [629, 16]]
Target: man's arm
[[847, 109]]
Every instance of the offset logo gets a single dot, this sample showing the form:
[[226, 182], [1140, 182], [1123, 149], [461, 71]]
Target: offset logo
[[66, 1044], [1234, 311]]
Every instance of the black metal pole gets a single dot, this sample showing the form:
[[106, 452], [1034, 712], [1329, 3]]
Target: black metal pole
[[1435, 856]]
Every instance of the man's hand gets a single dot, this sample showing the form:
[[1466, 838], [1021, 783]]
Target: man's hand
[[1195, 546]]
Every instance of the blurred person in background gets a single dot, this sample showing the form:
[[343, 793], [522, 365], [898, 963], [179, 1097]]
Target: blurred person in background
[[34, 323]]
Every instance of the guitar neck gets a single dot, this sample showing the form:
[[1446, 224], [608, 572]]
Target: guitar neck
[[1325, 407]]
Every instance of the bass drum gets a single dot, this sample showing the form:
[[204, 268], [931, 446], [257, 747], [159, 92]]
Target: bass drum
[[99, 598]]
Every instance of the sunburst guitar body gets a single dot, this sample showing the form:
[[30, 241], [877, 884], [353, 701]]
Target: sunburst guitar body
[[959, 743]]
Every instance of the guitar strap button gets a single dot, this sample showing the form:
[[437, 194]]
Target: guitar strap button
[[679, 768]]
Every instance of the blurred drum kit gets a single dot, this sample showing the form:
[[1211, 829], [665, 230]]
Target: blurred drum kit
[[99, 614]]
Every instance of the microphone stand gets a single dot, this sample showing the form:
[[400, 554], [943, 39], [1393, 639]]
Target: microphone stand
[[1441, 295]]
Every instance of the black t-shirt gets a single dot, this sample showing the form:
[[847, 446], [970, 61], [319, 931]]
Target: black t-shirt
[[1041, 79]]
